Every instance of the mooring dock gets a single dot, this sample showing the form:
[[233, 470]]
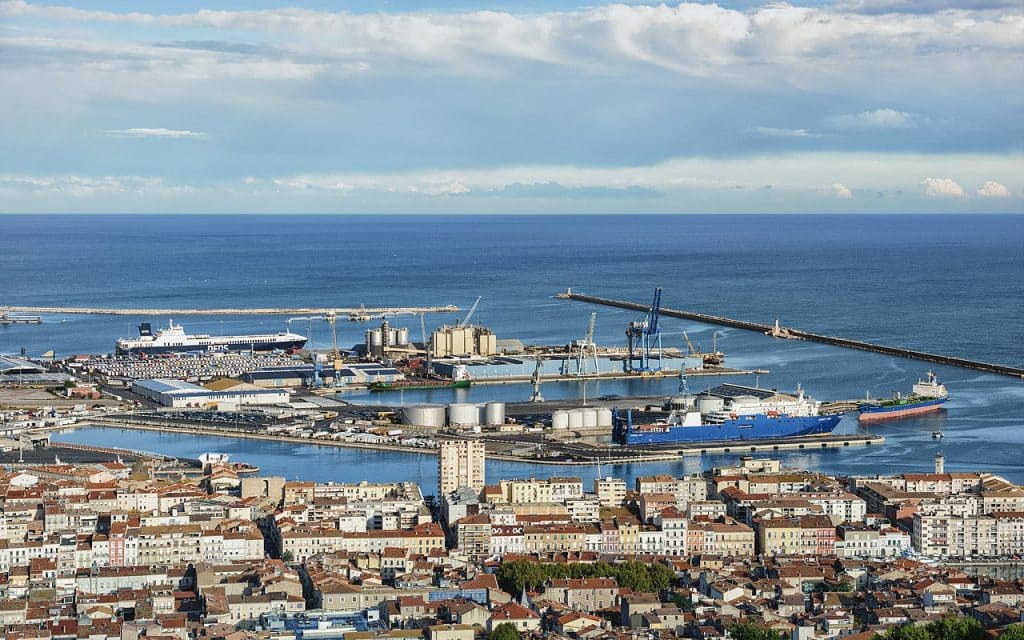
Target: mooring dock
[[353, 313], [797, 334]]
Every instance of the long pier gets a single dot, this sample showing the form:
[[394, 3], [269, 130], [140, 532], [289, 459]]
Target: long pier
[[797, 334], [353, 313]]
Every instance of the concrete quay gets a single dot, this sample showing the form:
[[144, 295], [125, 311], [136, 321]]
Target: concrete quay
[[354, 313], [797, 334]]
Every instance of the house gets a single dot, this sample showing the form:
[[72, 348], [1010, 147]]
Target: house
[[522, 618]]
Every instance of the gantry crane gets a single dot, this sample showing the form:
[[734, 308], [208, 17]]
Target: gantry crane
[[643, 337], [586, 351]]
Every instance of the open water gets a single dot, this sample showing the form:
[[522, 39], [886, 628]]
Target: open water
[[945, 284]]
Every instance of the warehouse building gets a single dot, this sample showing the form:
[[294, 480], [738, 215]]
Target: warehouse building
[[18, 372], [224, 395]]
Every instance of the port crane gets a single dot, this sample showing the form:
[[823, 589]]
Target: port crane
[[331, 319], [472, 310], [586, 351], [643, 337], [535, 378], [713, 358]]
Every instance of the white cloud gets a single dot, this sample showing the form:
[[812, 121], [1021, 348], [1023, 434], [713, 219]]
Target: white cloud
[[877, 119], [992, 189], [782, 133], [159, 132], [943, 188], [841, 191]]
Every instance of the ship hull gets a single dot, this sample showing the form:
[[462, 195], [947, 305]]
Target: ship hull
[[877, 413], [411, 386], [213, 346], [744, 428]]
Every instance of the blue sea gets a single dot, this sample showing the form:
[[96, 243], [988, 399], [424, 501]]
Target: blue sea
[[945, 284]]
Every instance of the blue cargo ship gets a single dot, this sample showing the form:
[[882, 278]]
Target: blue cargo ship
[[726, 412]]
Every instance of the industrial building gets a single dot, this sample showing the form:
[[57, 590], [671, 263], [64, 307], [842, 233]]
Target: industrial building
[[222, 394], [497, 367], [314, 375], [460, 463], [19, 372], [469, 340]]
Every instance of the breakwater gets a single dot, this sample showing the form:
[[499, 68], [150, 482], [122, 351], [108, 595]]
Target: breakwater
[[797, 334]]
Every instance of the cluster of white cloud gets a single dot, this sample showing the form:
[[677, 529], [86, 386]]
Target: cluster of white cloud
[[689, 38], [876, 119], [949, 188], [158, 132]]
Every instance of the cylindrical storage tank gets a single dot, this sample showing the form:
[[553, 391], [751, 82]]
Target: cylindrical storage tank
[[706, 404], [402, 336], [576, 419], [589, 418], [424, 415], [376, 337], [494, 414], [560, 420], [604, 417], [463, 414], [392, 336]]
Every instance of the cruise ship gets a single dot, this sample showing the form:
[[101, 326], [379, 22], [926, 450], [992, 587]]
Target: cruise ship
[[726, 412], [173, 339]]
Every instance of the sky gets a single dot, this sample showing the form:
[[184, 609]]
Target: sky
[[545, 106]]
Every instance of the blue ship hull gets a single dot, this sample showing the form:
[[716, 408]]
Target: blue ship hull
[[743, 428]]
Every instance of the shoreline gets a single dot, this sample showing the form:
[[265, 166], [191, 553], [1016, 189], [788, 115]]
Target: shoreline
[[680, 453]]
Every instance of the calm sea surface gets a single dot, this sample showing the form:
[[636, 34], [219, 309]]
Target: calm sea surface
[[945, 284]]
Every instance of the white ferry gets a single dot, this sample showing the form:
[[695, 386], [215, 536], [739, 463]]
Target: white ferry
[[173, 339]]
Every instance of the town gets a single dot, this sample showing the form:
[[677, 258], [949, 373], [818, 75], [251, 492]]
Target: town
[[124, 549]]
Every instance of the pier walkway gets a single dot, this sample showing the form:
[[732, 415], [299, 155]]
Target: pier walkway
[[797, 334], [353, 313]]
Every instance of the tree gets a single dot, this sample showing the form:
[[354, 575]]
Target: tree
[[288, 556], [753, 631], [505, 631], [1013, 632], [956, 629], [907, 632]]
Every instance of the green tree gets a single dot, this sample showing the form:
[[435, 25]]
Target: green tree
[[1013, 632], [907, 632], [843, 587], [661, 576], [753, 631], [288, 556], [514, 576], [505, 631], [682, 601], [956, 629]]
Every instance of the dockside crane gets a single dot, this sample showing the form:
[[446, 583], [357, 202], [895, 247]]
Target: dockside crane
[[472, 310], [586, 351], [535, 378], [643, 336]]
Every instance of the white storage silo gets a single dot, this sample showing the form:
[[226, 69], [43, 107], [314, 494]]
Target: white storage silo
[[494, 414], [604, 417], [576, 418], [560, 420], [463, 414], [376, 337], [402, 337], [589, 418], [706, 404], [424, 415]]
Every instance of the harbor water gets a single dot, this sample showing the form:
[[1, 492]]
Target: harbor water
[[943, 284]]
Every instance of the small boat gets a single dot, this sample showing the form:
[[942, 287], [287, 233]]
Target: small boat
[[937, 434]]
